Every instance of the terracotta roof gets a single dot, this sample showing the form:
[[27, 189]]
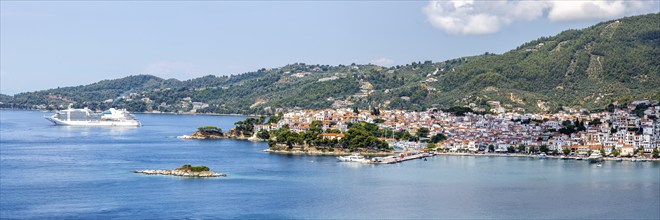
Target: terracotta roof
[[333, 135]]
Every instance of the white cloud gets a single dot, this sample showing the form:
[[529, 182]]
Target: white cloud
[[480, 17], [382, 61], [485, 17], [584, 10]]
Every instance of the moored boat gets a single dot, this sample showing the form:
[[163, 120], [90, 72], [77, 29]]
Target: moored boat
[[542, 156], [595, 157], [352, 158], [638, 159]]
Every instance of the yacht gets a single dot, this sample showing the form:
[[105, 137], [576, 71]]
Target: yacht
[[86, 117], [638, 159], [595, 157], [352, 158], [542, 156]]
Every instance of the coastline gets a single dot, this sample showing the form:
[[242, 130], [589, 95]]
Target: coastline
[[534, 156], [140, 113], [312, 151], [197, 136], [181, 173], [381, 154], [147, 113], [316, 152], [326, 153], [187, 113]]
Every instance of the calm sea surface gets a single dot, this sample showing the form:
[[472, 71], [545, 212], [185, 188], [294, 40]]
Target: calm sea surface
[[69, 172]]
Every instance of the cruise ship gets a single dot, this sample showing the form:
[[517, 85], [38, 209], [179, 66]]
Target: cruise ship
[[86, 117]]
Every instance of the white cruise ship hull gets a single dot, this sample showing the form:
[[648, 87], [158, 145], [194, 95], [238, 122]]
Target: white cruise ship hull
[[85, 117], [94, 123]]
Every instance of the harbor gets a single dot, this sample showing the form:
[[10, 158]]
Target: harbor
[[95, 179], [413, 155]]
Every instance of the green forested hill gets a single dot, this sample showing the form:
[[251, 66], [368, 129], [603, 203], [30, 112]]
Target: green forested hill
[[614, 61], [611, 61]]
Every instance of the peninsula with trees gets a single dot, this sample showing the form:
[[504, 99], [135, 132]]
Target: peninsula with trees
[[361, 137]]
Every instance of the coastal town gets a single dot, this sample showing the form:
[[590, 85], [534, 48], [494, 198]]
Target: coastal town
[[631, 130]]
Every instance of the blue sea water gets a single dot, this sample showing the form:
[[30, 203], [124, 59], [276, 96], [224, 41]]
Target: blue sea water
[[58, 172]]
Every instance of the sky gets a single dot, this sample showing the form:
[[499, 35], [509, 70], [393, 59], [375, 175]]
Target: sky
[[50, 44]]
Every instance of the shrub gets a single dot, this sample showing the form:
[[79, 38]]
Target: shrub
[[199, 168]]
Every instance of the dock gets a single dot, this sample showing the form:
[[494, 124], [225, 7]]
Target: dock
[[399, 159]]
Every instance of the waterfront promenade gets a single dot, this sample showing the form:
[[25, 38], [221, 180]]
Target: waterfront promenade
[[534, 156]]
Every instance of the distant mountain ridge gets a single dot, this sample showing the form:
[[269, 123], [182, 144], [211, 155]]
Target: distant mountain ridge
[[613, 61]]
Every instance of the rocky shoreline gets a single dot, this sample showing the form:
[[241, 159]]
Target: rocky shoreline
[[181, 173], [326, 153], [184, 171], [201, 136], [306, 151]]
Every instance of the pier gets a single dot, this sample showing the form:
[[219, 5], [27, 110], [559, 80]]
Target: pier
[[399, 158]]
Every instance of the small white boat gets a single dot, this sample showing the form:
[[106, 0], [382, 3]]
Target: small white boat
[[638, 159], [595, 157], [352, 158], [184, 137], [542, 156], [599, 165]]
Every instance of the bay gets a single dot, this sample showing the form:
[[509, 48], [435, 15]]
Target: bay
[[59, 172]]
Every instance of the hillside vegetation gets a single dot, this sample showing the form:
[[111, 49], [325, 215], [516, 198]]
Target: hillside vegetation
[[610, 62]]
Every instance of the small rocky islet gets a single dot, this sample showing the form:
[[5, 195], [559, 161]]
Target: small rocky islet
[[184, 171], [211, 132]]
